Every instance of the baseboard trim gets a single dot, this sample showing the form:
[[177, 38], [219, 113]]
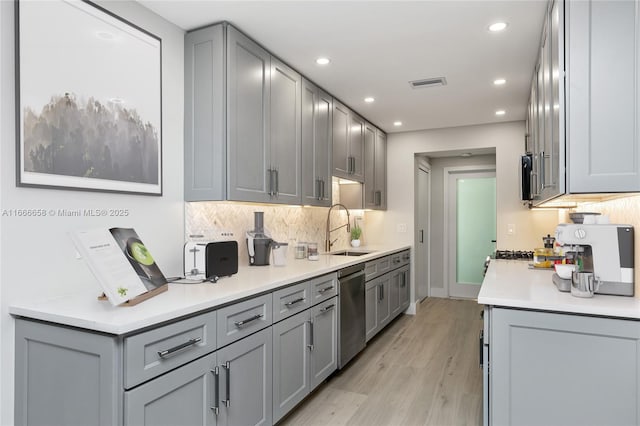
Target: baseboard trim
[[438, 292], [412, 309]]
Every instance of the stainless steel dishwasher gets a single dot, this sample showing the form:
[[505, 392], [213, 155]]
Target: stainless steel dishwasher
[[352, 313]]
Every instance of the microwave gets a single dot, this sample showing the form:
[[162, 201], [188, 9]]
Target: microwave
[[526, 169]]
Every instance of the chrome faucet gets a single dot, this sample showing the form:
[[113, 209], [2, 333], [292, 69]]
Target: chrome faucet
[[327, 242]]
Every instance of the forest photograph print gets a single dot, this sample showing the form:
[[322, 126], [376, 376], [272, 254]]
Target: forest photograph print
[[89, 100]]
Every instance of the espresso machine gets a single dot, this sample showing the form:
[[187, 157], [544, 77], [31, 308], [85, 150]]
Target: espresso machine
[[604, 249]]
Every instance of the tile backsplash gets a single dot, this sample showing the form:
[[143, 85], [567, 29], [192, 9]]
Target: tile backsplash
[[284, 223]]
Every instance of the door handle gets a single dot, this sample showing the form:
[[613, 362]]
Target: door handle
[[216, 375], [227, 366], [310, 345]]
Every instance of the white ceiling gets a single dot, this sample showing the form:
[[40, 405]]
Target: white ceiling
[[376, 47]]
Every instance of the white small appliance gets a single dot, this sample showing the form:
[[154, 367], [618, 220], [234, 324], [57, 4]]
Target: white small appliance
[[604, 249]]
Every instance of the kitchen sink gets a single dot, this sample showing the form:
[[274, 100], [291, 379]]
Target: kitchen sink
[[350, 253]]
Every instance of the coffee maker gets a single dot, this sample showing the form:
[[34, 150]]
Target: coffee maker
[[604, 249], [258, 242]]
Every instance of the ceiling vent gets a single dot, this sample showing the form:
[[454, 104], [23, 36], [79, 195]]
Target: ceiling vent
[[428, 82]]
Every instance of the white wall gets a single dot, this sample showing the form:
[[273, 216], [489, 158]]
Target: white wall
[[508, 141], [36, 255]]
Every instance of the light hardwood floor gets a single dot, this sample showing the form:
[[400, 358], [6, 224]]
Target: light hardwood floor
[[420, 370]]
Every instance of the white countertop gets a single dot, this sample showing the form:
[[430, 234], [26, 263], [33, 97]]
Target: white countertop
[[83, 310], [510, 283]]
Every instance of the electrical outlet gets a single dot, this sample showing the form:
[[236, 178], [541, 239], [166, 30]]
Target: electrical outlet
[[401, 227]]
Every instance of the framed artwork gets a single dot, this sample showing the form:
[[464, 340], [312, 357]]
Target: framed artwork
[[88, 99]]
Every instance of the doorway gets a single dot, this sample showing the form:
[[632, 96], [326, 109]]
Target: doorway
[[470, 224], [422, 227]]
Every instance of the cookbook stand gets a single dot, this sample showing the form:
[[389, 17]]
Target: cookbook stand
[[141, 297]]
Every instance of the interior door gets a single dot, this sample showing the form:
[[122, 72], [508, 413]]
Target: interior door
[[471, 229], [422, 227]]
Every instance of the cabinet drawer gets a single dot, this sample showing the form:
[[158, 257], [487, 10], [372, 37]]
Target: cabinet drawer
[[291, 300], [400, 259], [377, 267], [149, 354], [323, 288], [242, 319]]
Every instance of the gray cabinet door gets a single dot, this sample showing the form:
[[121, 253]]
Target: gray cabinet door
[[186, 397], [340, 143], [285, 114], [246, 381], [317, 129], [356, 147], [371, 303], [405, 288], [554, 369], [324, 354], [602, 96], [380, 196], [66, 377], [248, 104], [369, 166], [394, 292], [291, 354], [205, 171], [384, 300]]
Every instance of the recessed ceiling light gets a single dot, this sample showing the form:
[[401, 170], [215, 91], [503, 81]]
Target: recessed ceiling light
[[369, 99], [501, 112], [397, 123], [499, 81], [498, 26], [323, 61]]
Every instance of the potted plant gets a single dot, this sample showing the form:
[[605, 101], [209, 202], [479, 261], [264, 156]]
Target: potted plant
[[356, 232]]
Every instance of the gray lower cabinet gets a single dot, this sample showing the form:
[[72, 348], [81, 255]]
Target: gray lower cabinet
[[405, 288], [560, 369], [186, 396], [377, 305], [66, 376], [246, 381], [304, 354], [317, 128]]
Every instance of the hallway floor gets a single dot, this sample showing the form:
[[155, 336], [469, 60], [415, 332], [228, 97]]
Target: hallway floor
[[420, 370]]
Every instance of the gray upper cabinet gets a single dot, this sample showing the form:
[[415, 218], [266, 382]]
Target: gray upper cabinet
[[603, 96], [348, 143], [242, 120], [375, 168], [585, 100], [317, 129], [250, 175], [205, 166], [285, 113]]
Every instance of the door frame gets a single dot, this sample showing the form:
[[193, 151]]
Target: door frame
[[448, 172], [424, 165]]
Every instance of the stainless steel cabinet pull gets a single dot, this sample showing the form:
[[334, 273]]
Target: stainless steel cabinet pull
[[323, 290], [248, 320], [323, 195], [380, 296], [481, 344], [378, 198], [396, 260], [310, 346], [318, 193], [277, 183], [293, 302], [404, 280], [327, 308], [216, 387], [422, 235], [543, 178], [173, 350], [271, 184], [227, 366]]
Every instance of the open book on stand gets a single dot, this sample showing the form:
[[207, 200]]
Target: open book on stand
[[121, 263]]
